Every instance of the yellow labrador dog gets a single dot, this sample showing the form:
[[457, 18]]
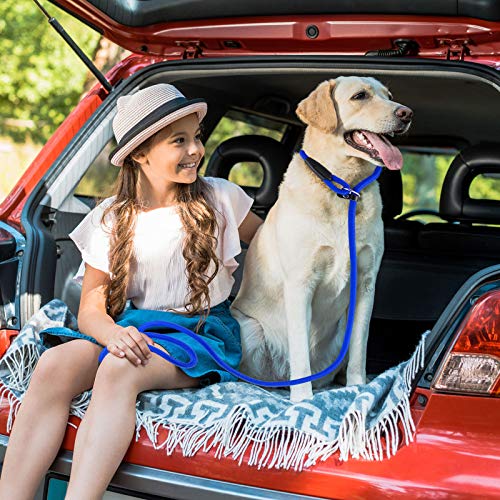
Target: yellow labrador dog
[[293, 301]]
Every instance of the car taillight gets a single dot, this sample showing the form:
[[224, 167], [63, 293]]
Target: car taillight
[[473, 364]]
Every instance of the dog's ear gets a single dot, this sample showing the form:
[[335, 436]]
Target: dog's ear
[[317, 109]]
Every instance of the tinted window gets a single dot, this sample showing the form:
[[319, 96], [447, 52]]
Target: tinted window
[[423, 175], [99, 179]]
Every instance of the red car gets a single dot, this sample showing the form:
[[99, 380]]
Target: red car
[[253, 62]]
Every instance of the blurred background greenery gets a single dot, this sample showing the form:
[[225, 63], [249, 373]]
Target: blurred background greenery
[[42, 80], [41, 77]]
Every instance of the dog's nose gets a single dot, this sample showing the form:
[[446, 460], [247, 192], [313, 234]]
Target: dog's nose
[[404, 114]]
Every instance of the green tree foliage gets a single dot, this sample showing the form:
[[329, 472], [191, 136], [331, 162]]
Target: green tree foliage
[[423, 176], [41, 78], [485, 188]]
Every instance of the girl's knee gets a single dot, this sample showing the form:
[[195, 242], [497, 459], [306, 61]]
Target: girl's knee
[[51, 366], [114, 371], [48, 379], [62, 368]]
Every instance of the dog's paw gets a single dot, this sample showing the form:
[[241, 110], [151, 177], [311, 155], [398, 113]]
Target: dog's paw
[[300, 392]]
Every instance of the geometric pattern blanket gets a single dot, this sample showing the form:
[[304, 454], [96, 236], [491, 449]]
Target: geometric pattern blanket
[[369, 421]]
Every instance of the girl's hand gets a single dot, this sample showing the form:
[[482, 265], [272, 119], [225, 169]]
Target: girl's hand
[[130, 343]]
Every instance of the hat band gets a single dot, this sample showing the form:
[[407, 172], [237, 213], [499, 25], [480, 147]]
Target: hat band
[[152, 118]]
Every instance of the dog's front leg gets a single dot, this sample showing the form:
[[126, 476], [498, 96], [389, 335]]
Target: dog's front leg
[[356, 366], [298, 319]]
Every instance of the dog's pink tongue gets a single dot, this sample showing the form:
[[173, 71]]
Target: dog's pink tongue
[[390, 155]]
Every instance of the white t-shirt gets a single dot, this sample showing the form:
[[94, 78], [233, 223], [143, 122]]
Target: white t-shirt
[[157, 270]]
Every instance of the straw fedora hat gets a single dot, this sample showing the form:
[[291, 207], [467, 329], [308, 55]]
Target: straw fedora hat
[[144, 113]]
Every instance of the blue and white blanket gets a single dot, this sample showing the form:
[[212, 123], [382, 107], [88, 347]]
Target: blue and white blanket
[[367, 421]]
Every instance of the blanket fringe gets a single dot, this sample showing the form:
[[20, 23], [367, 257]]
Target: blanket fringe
[[283, 447], [280, 447], [18, 378], [16, 362]]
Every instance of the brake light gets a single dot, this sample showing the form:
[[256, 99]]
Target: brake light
[[473, 364]]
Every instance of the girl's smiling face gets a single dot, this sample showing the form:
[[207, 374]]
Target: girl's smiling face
[[174, 154]]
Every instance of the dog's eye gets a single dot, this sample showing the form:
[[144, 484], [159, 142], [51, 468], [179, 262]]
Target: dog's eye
[[389, 96], [360, 95]]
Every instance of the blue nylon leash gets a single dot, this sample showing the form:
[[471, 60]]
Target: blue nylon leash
[[345, 191]]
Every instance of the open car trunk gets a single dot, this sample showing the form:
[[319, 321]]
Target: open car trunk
[[420, 273], [416, 280]]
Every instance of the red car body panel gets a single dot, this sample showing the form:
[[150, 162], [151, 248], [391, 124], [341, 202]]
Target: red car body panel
[[452, 454], [340, 34], [457, 443]]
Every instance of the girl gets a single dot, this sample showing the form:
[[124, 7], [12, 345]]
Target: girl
[[166, 241]]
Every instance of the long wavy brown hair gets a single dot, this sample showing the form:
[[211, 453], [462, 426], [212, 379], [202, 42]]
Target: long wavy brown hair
[[195, 207]]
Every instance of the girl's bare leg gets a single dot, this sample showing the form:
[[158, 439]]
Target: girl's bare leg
[[61, 373], [109, 423]]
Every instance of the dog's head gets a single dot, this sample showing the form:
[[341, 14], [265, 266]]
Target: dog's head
[[361, 112]]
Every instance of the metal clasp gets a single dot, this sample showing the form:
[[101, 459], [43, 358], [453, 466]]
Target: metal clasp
[[350, 195]]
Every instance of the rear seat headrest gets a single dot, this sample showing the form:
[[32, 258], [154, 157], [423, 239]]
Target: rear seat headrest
[[271, 154], [455, 203], [391, 191]]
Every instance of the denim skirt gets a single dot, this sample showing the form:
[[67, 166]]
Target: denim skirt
[[220, 330]]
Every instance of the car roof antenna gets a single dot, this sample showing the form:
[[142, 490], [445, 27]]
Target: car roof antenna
[[90, 65]]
